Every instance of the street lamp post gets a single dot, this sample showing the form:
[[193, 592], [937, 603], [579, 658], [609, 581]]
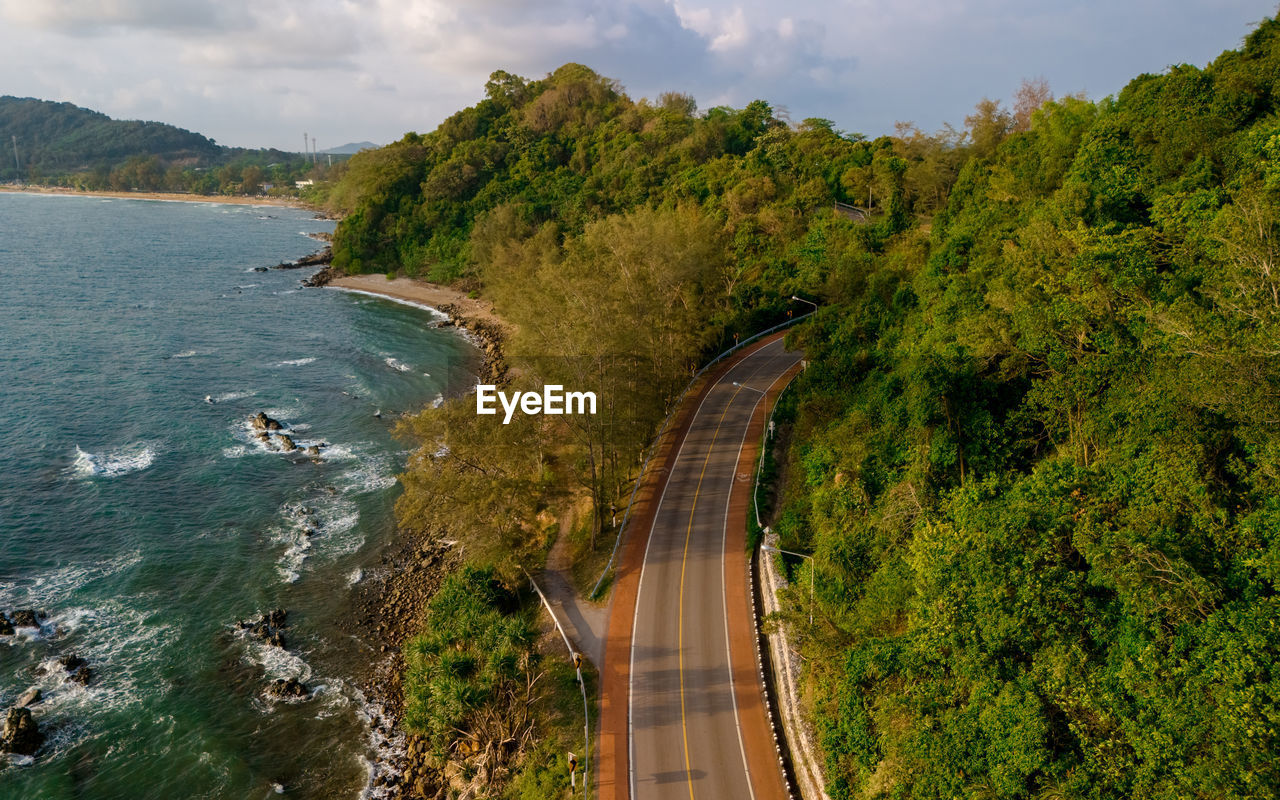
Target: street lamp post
[[771, 549], [802, 300]]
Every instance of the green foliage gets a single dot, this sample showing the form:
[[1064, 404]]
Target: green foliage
[[65, 145], [1036, 461], [471, 675]]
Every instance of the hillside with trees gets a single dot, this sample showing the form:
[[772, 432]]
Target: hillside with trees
[[60, 144], [1037, 462], [1034, 454]]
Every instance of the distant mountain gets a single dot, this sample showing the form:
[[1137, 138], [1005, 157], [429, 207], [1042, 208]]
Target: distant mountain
[[350, 149], [61, 138]]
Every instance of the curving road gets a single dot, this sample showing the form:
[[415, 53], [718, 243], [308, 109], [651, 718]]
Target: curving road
[[696, 725]]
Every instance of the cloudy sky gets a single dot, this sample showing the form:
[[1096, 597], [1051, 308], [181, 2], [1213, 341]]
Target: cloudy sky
[[261, 72]]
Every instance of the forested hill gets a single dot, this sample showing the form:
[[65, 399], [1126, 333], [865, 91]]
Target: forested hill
[[64, 144], [1036, 450], [60, 138], [572, 148], [1037, 461]]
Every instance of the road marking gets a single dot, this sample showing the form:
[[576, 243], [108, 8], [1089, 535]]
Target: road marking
[[684, 560], [635, 619], [644, 562], [724, 595]]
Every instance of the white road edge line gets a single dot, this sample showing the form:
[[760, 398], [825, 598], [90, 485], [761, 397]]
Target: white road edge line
[[724, 593]]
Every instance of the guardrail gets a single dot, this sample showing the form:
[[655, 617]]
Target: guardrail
[[653, 444]]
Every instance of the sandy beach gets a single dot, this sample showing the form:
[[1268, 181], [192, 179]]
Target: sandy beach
[[423, 293], [175, 197]]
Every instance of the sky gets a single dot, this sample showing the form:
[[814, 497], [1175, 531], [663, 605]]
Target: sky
[[260, 73]]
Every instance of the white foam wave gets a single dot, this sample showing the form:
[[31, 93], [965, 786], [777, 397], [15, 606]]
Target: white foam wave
[[388, 744], [277, 662], [297, 362], [187, 354], [119, 638], [435, 312], [227, 397], [327, 522], [396, 364], [354, 576], [372, 473], [114, 463]]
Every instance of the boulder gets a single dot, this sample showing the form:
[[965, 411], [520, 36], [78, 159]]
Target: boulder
[[287, 443], [261, 422], [77, 669], [269, 629], [6, 627], [20, 733], [291, 689], [24, 618], [30, 697], [313, 450]]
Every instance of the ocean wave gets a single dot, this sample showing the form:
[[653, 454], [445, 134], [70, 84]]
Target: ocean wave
[[396, 364], [114, 463], [190, 354], [297, 362], [388, 744], [435, 312], [120, 639], [227, 397], [326, 521], [354, 576], [374, 473]]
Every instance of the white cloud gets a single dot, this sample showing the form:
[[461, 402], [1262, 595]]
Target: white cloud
[[258, 72]]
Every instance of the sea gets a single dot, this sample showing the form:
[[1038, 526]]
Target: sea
[[143, 519]]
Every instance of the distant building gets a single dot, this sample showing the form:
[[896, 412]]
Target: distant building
[[304, 184]]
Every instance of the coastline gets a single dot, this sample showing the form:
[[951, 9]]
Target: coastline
[[389, 605], [171, 197], [473, 315]]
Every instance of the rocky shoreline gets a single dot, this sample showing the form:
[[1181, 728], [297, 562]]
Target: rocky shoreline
[[387, 612], [389, 602]]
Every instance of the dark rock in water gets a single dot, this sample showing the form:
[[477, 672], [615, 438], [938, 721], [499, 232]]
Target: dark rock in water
[[6, 627], [77, 669], [30, 697], [20, 733], [261, 422], [269, 629], [291, 689], [259, 269], [322, 278], [287, 443], [313, 450], [316, 259], [24, 618]]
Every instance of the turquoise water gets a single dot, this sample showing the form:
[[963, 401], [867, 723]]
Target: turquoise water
[[144, 520]]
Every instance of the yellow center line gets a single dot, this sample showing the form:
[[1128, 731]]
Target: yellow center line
[[688, 534]]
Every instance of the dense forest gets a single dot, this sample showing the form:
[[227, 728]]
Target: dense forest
[[60, 144], [1037, 461], [1034, 453]]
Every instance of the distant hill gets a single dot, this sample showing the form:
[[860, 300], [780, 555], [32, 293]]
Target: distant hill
[[350, 149], [61, 144], [60, 138]]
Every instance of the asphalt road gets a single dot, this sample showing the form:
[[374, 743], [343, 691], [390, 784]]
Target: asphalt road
[[685, 738]]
